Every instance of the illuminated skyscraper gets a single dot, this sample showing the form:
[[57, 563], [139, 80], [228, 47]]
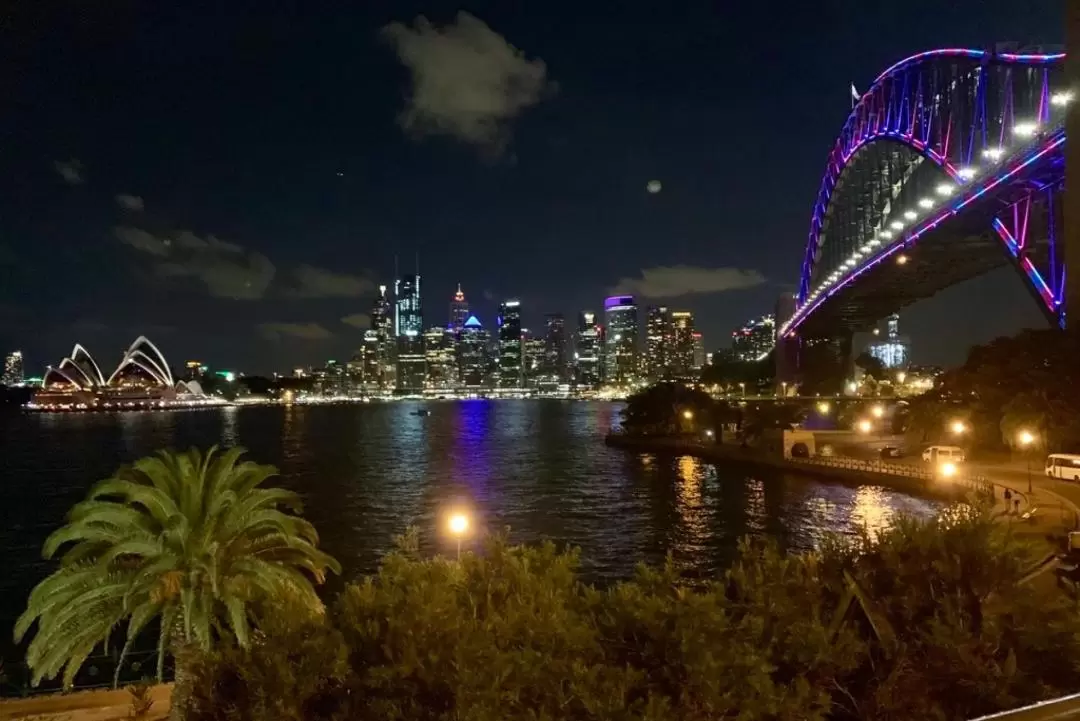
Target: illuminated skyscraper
[[13, 368], [755, 340], [459, 311], [894, 351], [382, 323], [532, 358], [473, 356], [658, 342], [587, 367], [442, 372], [367, 359], [408, 328], [620, 344], [699, 352], [682, 345], [555, 367], [511, 356]]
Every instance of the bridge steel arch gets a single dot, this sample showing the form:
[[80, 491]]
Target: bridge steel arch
[[959, 150]]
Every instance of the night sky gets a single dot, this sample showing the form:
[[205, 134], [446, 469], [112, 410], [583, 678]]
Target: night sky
[[233, 180]]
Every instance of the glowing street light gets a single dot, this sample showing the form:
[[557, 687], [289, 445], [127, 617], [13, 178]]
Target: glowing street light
[[945, 189], [1025, 129], [864, 426], [688, 414], [958, 427], [742, 387], [1025, 438], [878, 411], [948, 469], [993, 153], [459, 526], [966, 173], [901, 260], [1061, 99], [823, 407], [901, 377]]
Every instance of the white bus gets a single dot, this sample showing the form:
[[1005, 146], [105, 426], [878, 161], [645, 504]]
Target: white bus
[[1063, 465]]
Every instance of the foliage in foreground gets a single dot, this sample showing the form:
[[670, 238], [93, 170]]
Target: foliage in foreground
[[189, 540], [925, 621]]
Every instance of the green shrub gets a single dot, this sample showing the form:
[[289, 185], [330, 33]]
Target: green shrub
[[924, 621]]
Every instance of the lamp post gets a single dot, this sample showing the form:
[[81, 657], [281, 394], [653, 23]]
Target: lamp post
[[742, 387], [783, 384], [1025, 439], [459, 526]]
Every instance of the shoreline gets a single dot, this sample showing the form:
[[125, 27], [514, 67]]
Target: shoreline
[[750, 458]]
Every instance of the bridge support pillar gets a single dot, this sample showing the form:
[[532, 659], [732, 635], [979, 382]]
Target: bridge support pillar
[[1072, 167], [825, 364]]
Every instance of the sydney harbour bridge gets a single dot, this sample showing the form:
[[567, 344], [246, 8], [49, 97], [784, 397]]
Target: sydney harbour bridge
[[950, 164]]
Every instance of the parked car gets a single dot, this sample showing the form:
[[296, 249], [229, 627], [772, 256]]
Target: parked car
[[892, 452]]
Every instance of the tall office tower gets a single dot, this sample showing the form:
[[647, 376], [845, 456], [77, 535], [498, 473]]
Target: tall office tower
[[442, 372], [13, 368], [382, 323], [620, 344], [371, 369], [408, 328], [473, 359], [555, 366], [532, 358], [755, 340], [682, 344], [895, 350], [587, 368], [511, 356], [699, 352], [459, 310], [658, 340]]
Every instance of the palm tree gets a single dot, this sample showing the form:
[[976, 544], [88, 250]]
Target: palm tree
[[189, 539]]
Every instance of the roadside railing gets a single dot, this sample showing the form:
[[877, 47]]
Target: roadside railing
[[976, 483], [96, 673]]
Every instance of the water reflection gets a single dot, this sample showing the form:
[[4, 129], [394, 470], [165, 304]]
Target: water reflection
[[367, 472]]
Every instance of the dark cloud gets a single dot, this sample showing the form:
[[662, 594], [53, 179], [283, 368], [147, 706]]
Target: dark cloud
[[468, 82], [303, 331], [358, 320], [673, 281], [70, 170], [130, 202], [312, 282], [226, 269]]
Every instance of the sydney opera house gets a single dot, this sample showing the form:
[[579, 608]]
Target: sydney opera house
[[141, 380]]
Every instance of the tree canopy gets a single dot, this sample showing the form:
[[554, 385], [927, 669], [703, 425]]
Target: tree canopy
[[671, 409], [1028, 381], [922, 621], [189, 540]]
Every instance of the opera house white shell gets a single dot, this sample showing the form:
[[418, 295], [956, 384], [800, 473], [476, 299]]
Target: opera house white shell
[[142, 378]]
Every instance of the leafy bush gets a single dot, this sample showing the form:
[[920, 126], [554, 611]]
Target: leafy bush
[[923, 621]]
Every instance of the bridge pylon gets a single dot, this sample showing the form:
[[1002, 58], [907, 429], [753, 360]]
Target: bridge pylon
[[1072, 163]]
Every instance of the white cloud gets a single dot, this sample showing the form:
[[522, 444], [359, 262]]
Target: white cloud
[[312, 282], [226, 269], [70, 170], [358, 320], [673, 281], [304, 331], [130, 202], [468, 82]]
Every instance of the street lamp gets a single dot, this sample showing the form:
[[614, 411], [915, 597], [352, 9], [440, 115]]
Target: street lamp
[[459, 526], [901, 377], [784, 385], [742, 387], [864, 426], [688, 414], [958, 428], [1025, 438], [823, 407], [878, 411]]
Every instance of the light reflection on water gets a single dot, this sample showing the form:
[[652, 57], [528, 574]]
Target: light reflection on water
[[369, 471]]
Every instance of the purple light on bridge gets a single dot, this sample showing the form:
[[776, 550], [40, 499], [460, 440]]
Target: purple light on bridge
[[1029, 269]]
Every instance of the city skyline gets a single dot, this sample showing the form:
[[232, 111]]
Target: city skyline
[[282, 235]]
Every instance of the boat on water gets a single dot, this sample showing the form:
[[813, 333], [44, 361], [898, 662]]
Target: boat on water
[[421, 412]]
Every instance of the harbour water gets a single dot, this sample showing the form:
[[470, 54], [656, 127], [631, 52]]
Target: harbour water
[[367, 472]]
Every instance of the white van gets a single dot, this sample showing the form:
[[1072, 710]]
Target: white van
[[1063, 465], [941, 454]]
